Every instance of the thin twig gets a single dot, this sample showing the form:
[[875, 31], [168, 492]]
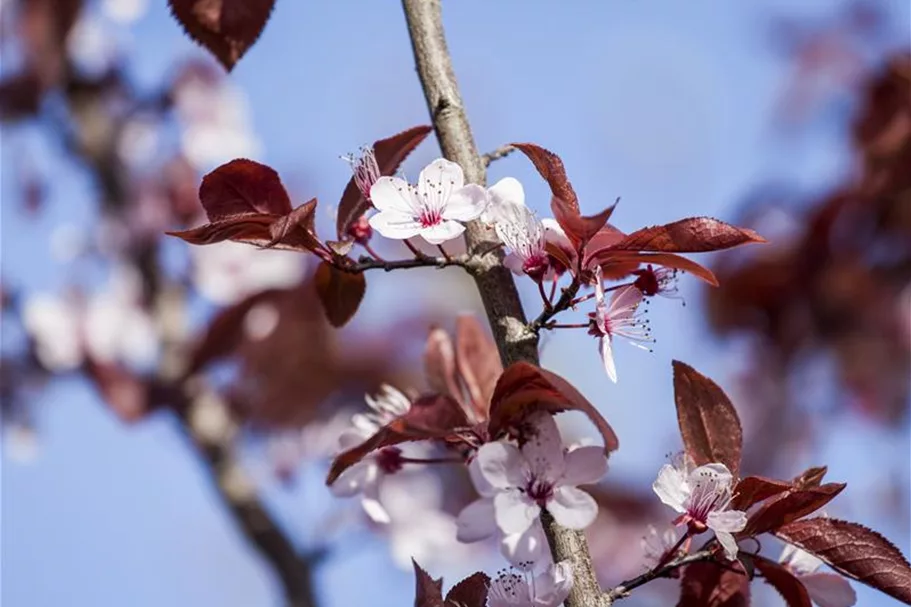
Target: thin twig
[[564, 303], [366, 263], [624, 589], [501, 152], [370, 250]]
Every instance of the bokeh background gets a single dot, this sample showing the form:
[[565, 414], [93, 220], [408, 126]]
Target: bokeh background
[[792, 118]]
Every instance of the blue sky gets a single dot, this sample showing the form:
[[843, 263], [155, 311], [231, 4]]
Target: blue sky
[[668, 105]]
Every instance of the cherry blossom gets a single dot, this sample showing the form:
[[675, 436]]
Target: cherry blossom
[[825, 589], [519, 229], [617, 318], [516, 483], [433, 209], [53, 323], [657, 281], [227, 272], [703, 498], [523, 589], [365, 169], [656, 546], [366, 476]]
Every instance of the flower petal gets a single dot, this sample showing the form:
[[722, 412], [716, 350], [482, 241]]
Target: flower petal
[[553, 586], [829, 590], [607, 358], [526, 549], [729, 544], [370, 501], [671, 487], [441, 232], [573, 508], [544, 450], [353, 480], [801, 561], [394, 194], [501, 464], [584, 465], [729, 521], [507, 191], [440, 172], [395, 225], [476, 521], [514, 511], [514, 263], [466, 203]]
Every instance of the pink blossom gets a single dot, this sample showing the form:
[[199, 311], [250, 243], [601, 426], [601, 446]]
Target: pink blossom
[[366, 476], [617, 318], [433, 209], [519, 229], [365, 169], [523, 589], [825, 589], [516, 483], [703, 498], [656, 546]]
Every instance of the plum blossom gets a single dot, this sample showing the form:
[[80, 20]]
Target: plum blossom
[[657, 281], [825, 589], [227, 272], [547, 589], [516, 483], [366, 476], [365, 168], [617, 318], [519, 229], [703, 498], [433, 209], [54, 325], [656, 546]]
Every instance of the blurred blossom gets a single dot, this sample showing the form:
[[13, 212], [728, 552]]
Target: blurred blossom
[[825, 589], [260, 321], [227, 272], [117, 327], [215, 121], [53, 324], [125, 12], [91, 46], [655, 546], [318, 440], [524, 589], [138, 142]]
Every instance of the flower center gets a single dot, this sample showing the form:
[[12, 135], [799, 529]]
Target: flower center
[[535, 267], [390, 460], [540, 491], [430, 217]]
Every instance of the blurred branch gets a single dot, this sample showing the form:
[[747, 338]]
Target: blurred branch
[[501, 152], [366, 263], [496, 287], [623, 590]]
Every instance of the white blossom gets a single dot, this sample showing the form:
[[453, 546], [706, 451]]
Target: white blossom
[[655, 546], [227, 272], [825, 589], [523, 589], [519, 229], [433, 209], [703, 498], [616, 319]]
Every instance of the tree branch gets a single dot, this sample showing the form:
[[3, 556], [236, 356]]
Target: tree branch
[[515, 340], [624, 589], [501, 152], [366, 263]]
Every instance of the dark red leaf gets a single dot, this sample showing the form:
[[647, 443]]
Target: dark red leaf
[[296, 230], [612, 262], [791, 506], [428, 592], [243, 187], [470, 592], [708, 421], [785, 582], [340, 293], [430, 417], [551, 169], [753, 489], [579, 229], [524, 388], [691, 235], [227, 28], [249, 229], [478, 362], [811, 477], [854, 551], [440, 363], [709, 585], [390, 154]]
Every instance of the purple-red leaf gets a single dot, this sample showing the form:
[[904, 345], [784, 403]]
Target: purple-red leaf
[[428, 592], [243, 187], [430, 417], [551, 169], [691, 235], [708, 421], [612, 262], [440, 363], [578, 228], [470, 592], [297, 229], [753, 489], [340, 293], [250, 229], [227, 28], [791, 506], [524, 388], [854, 551], [478, 362], [811, 477], [786, 583], [707, 584], [390, 154]]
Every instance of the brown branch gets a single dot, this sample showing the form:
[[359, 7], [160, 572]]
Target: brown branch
[[365, 264], [623, 590], [501, 152], [564, 303], [515, 340]]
